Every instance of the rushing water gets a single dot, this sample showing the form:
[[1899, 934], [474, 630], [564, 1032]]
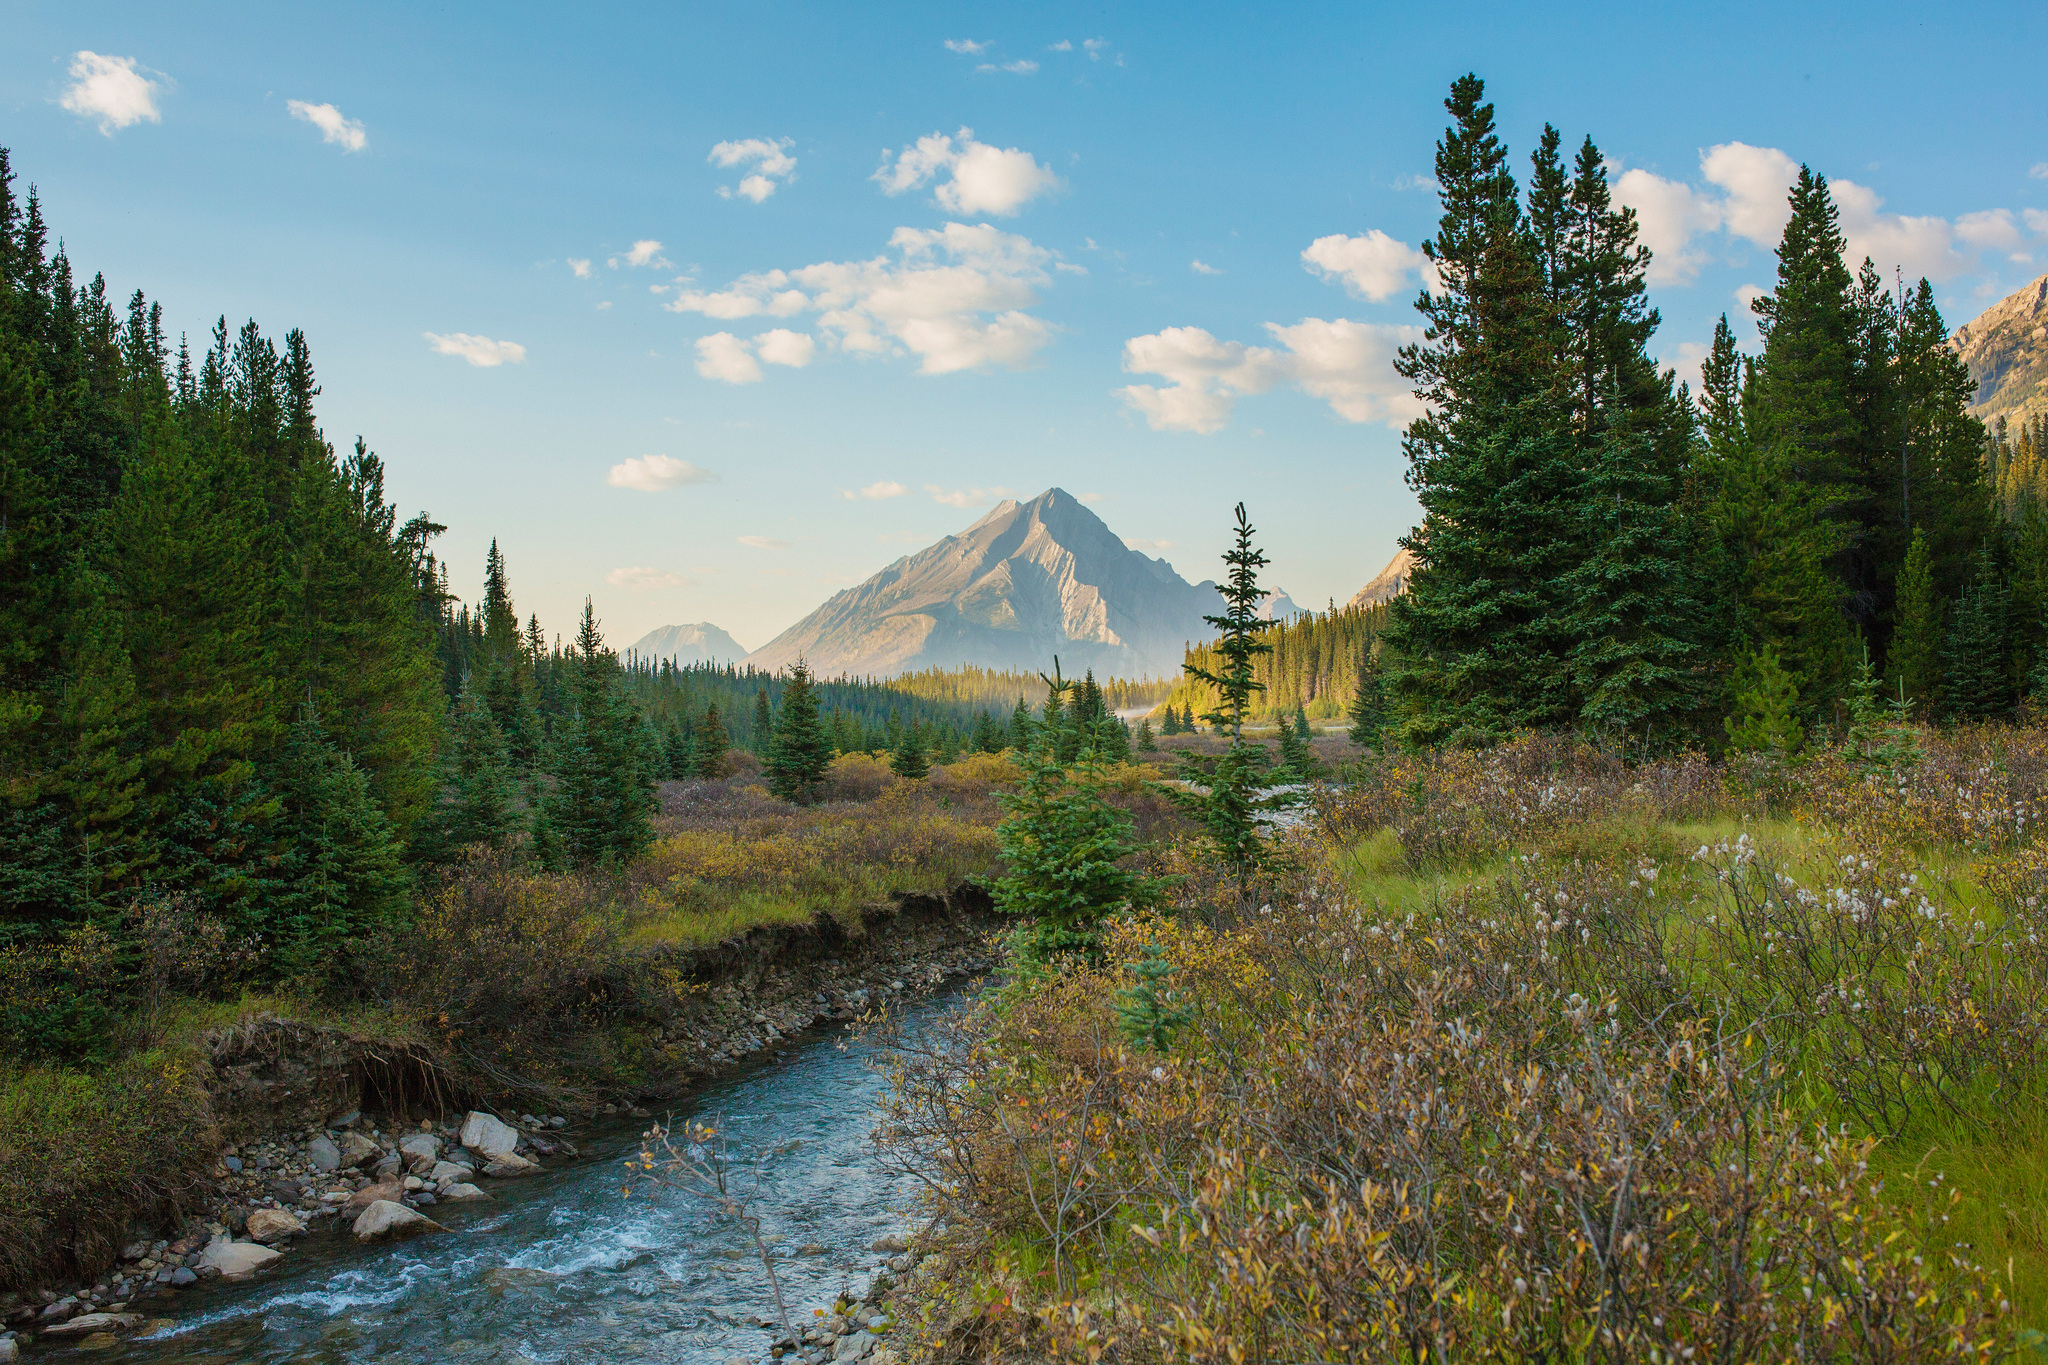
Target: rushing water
[[563, 1267]]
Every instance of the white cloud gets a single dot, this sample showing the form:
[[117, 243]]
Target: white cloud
[[952, 296], [333, 127], [656, 474], [1096, 47], [1918, 246], [724, 356], [1686, 360], [769, 158], [1091, 497], [875, 492], [967, 47], [1757, 181], [2038, 171], [765, 542], [579, 268], [1021, 67], [1348, 365], [1991, 230], [1373, 266], [643, 578], [2036, 221], [1202, 267], [1148, 547], [479, 351], [1668, 214], [1063, 45], [646, 251], [968, 497], [982, 178], [784, 347], [112, 90]]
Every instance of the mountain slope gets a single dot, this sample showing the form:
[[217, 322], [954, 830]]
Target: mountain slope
[[1391, 583], [689, 644], [1026, 582], [2006, 348]]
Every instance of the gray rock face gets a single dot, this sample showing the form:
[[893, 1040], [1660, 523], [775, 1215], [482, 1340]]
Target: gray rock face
[[482, 1133], [235, 1260], [1390, 584], [1027, 581], [324, 1155], [2006, 350], [385, 1221]]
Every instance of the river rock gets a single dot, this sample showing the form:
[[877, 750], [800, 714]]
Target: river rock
[[359, 1150], [371, 1194], [421, 1147], [450, 1172], [511, 1163], [235, 1260], [273, 1225], [460, 1192], [853, 1346], [386, 1221], [87, 1323], [10, 1349], [891, 1244], [324, 1155], [482, 1133]]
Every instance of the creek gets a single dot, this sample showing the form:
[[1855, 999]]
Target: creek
[[564, 1267]]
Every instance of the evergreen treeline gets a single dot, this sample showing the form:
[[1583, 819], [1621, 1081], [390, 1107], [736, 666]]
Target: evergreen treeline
[[1308, 664], [216, 668], [1602, 552]]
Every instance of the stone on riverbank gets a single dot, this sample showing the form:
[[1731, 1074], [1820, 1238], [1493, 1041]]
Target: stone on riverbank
[[87, 1323], [370, 1194], [385, 1221], [273, 1225], [493, 1138], [511, 1163], [460, 1193], [324, 1155], [357, 1150], [236, 1260]]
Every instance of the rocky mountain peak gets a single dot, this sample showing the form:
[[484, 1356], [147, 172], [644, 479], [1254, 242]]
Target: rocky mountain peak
[[2006, 350]]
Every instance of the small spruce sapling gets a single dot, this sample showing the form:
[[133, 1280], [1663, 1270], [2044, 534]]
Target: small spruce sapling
[[1766, 719], [1150, 1012]]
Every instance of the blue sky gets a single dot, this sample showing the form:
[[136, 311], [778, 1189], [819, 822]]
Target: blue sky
[[536, 249]]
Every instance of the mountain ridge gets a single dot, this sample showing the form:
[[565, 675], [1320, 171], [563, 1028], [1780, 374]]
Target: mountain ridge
[[1027, 581], [696, 642], [2005, 348]]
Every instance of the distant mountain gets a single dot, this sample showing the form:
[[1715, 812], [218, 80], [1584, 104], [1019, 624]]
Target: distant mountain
[[1026, 582], [2006, 348], [689, 644], [1391, 583], [1277, 606]]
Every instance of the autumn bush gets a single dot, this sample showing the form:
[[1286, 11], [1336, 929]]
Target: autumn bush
[[1578, 1061]]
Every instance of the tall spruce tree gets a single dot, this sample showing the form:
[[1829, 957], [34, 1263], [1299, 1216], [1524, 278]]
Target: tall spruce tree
[[479, 799], [801, 751], [1913, 662], [604, 794], [712, 745]]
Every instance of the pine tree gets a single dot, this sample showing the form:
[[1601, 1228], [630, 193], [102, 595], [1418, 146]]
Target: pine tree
[[1482, 632], [1766, 718], [1368, 703], [1977, 682], [678, 751], [1227, 800], [908, 759], [712, 745], [604, 794], [479, 794], [764, 723], [1146, 743], [800, 754], [1914, 657], [337, 872], [1021, 726], [1062, 843]]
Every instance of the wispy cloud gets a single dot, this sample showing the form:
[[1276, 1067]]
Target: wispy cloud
[[1202, 267], [1347, 364], [967, 47], [1063, 45], [772, 165], [656, 474], [347, 132], [1148, 547], [642, 578], [875, 492], [2038, 171], [953, 296], [1021, 67], [580, 268], [646, 251], [479, 351], [968, 497], [766, 542], [112, 90], [978, 177]]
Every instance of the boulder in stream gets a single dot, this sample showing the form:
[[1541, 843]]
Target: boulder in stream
[[462, 1192], [385, 1221], [87, 1323], [273, 1225], [324, 1155], [236, 1260], [493, 1138]]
